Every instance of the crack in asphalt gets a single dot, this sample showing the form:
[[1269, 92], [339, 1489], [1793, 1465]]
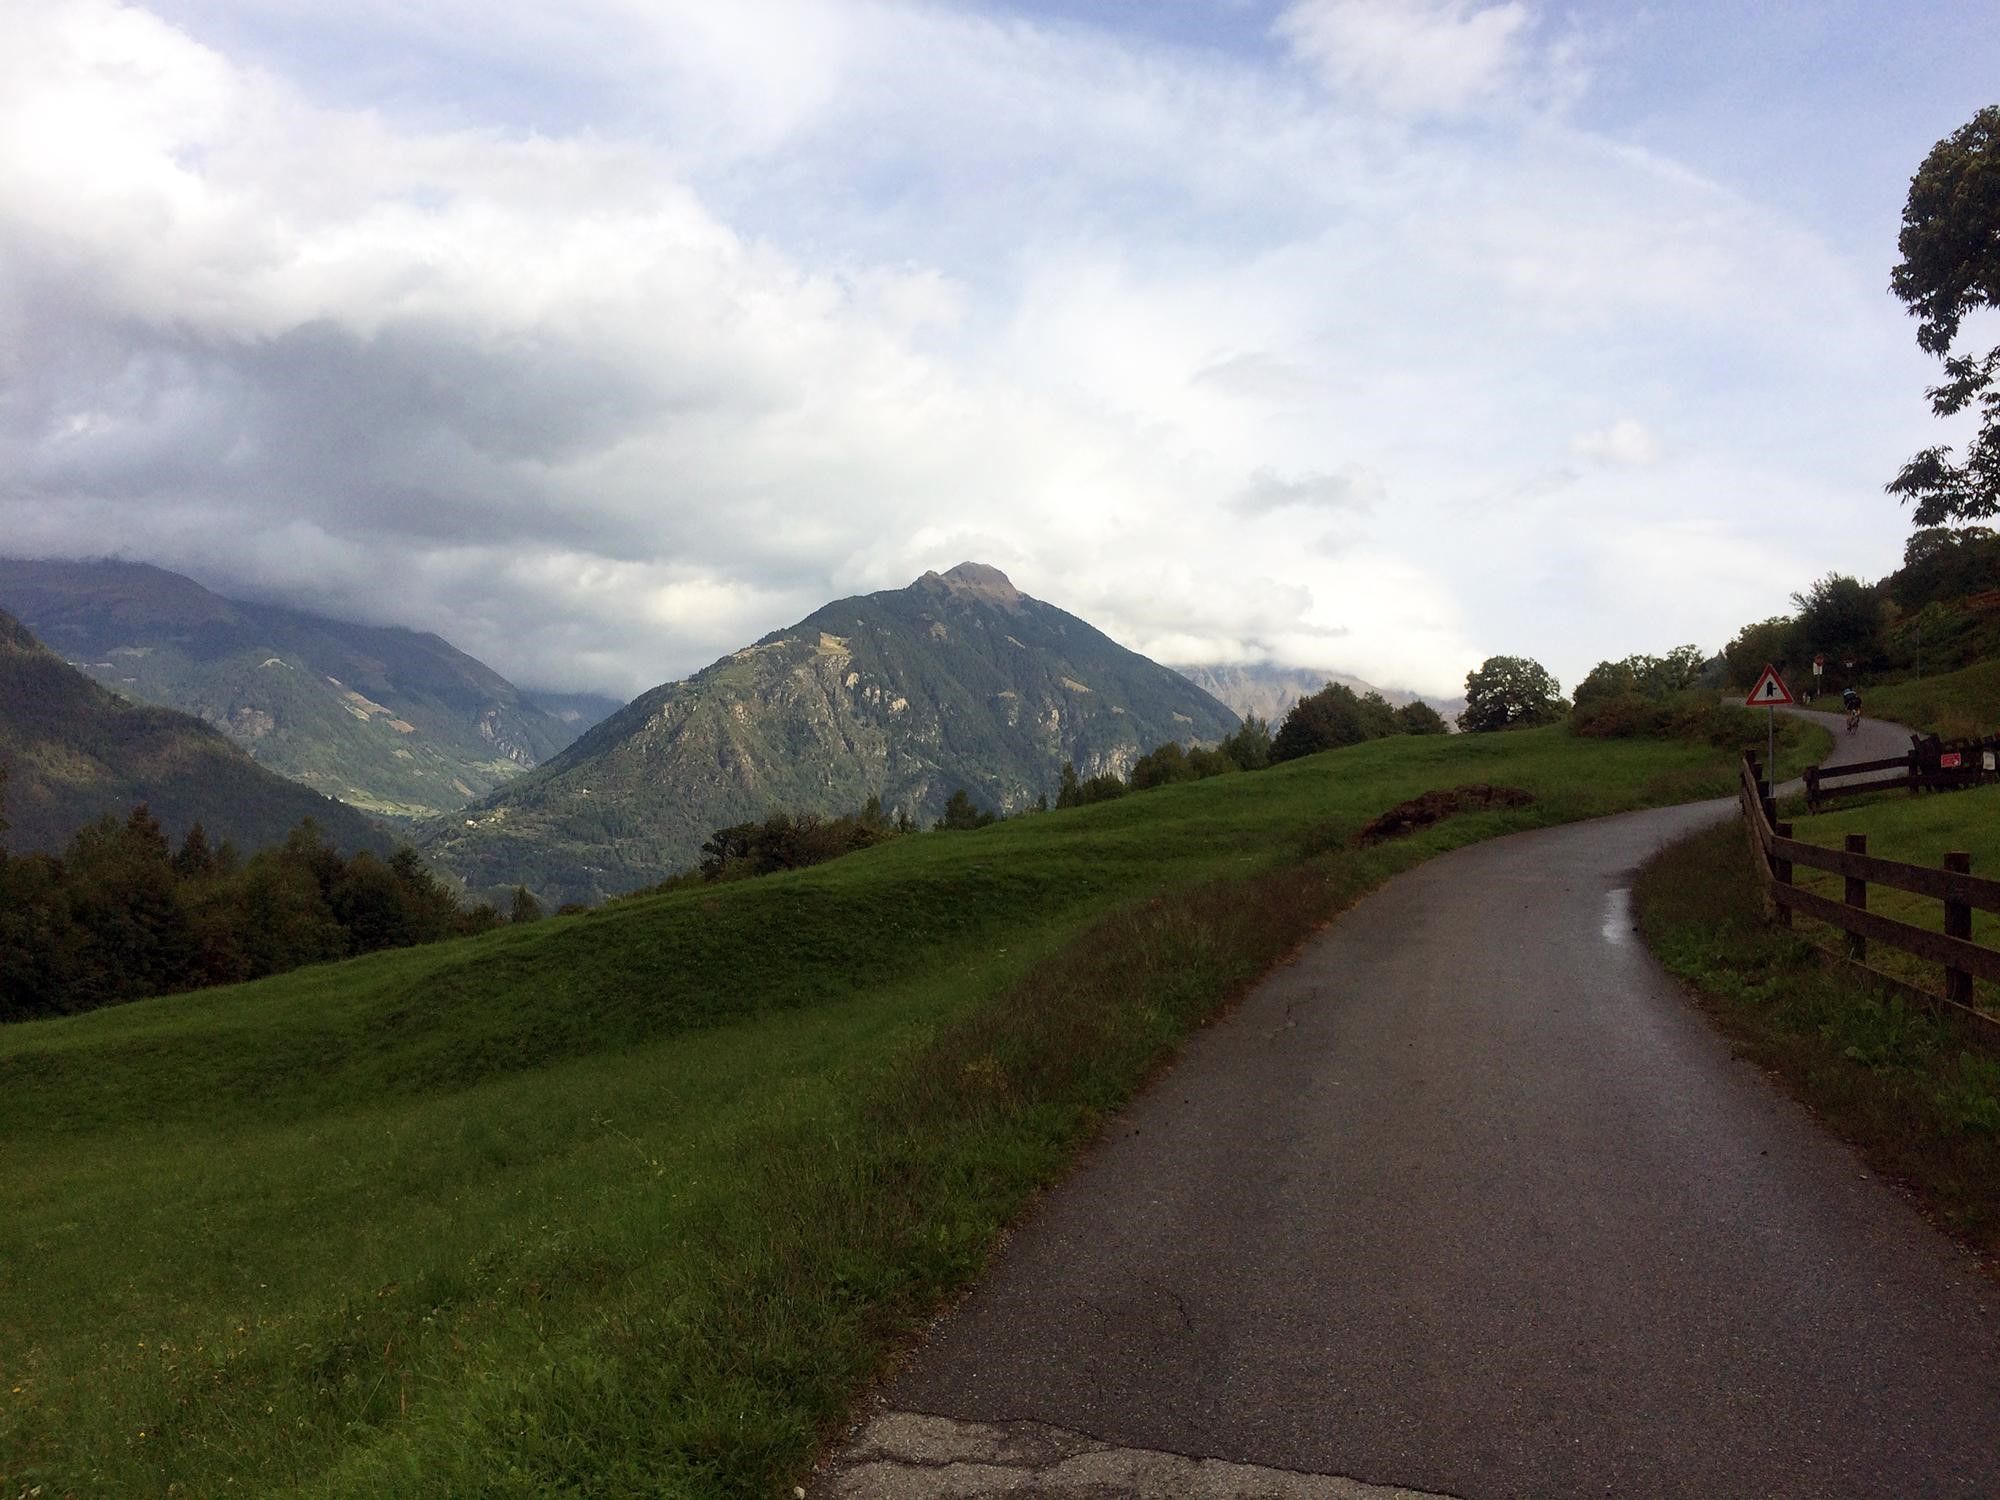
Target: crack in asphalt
[[903, 1455]]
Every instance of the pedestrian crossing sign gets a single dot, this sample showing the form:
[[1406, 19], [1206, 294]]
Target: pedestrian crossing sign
[[1769, 692]]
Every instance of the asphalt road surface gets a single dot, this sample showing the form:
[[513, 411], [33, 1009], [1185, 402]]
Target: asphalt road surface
[[1466, 1200], [1875, 739]]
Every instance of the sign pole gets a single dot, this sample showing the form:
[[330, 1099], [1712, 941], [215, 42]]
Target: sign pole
[[1770, 691]]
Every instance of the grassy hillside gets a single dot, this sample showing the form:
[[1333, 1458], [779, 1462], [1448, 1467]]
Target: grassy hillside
[[1954, 704], [634, 1202], [1918, 830], [75, 752]]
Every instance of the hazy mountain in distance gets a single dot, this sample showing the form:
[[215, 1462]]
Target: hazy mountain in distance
[[1268, 690], [578, 712], [959, 680], [74, 751], [398, 722]]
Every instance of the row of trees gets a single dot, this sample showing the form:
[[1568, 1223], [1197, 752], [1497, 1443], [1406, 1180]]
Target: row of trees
[[1938, 612], [123, 913], [1326, 720]]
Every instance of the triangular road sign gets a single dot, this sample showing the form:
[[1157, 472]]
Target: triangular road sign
[[1769, 692]]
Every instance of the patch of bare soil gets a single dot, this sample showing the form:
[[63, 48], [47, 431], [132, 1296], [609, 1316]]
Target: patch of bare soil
[[1405, 818]]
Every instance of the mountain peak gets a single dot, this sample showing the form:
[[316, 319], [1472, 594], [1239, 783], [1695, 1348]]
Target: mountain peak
[[978, 581]]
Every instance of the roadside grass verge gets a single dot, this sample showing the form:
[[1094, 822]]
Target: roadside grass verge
[[635, 1202], [1923, 1107], [1956, 705]]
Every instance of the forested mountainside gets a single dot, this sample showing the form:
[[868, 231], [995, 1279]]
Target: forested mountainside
[[395, 721], [74, 752]]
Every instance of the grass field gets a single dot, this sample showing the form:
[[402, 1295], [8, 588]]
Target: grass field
[[636, 1202], [1916, 830], [1957, 705], [1902, 1085]]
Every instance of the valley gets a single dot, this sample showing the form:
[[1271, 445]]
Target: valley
[[394, 722]]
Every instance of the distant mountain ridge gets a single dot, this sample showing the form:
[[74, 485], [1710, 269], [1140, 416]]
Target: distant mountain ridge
[[398, 722], [1268, 690], [959, 680], [75, 751]]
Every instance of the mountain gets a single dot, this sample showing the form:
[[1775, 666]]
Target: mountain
[[959, 680], [74, 751], [1268, 690], [577, 712], [394, 721]]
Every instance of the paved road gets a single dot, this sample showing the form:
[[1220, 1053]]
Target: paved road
[[1876, 739], [1467, 1200]]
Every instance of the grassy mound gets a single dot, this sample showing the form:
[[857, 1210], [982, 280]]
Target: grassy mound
[[1957, 705], [634, 1202]]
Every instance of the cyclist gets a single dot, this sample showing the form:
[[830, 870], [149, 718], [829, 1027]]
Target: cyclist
[[1851, 701]]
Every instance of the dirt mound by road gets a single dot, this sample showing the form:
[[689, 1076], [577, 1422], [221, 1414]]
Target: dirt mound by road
[[1406, 818]]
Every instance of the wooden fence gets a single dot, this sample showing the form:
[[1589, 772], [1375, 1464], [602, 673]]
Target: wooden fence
[[1778, 854], [1929, 765]]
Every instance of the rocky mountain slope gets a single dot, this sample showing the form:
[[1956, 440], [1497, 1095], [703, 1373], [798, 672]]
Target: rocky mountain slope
[[394, 721], [959, 680], [74, 751], [1269, 690]]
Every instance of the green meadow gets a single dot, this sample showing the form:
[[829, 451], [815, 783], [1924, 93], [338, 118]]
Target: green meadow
[[1957, 705], [1919, 831], [636, 1202]]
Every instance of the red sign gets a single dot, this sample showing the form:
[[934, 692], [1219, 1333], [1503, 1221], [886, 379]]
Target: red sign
[[1948, 761], [1769, 692]]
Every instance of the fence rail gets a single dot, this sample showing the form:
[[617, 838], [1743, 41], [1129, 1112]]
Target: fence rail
[[1929, 765], [1778, 855]]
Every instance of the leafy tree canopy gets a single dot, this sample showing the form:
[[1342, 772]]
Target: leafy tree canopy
[[1950, 243], [1418, 717], [1768, 642], [1840, 616], [1332, 717], [1510, 692], [1651, 677]]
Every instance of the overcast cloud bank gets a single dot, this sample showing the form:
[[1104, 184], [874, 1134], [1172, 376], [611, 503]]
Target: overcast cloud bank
[[606, 341]]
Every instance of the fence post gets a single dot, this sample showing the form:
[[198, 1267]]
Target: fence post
[[1916, 769], [1857, 896], [1958, 924], [1781, 872], [1812, 787]]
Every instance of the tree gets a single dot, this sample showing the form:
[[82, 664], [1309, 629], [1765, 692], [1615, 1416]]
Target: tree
[[525, 908], [1772, 642], [1418, 717], [1161, 765], [1950, 243], [1250, 745], [1070, 792], [1326, 720], [959, 812], [1510, 692], [1840, 616], [1655, 678]]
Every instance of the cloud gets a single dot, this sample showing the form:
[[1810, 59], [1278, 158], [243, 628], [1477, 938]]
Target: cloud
[[1418, 57], [1352, 489], [604, 342], [1626, 443]]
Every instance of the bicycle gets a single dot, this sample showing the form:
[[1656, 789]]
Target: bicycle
[[1853, 720]]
